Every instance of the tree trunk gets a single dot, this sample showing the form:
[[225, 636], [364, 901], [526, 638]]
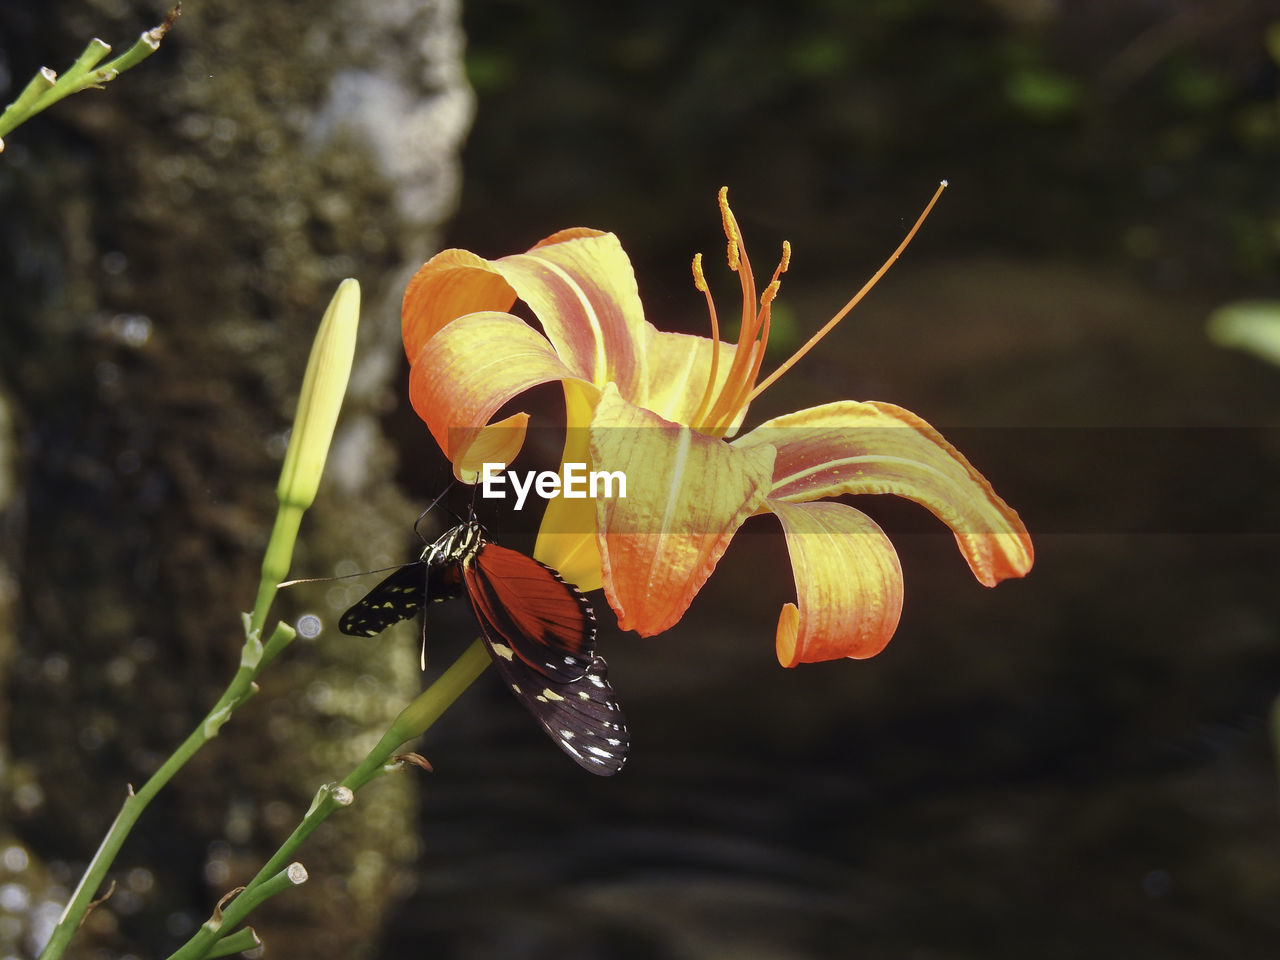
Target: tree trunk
[[169, 245]]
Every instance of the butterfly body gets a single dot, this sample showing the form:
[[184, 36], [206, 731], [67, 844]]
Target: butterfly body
[[539, 630]]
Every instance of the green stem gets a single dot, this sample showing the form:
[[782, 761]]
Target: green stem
[[47, 88], [238, 942], [426, 708], [412, 721], [237, 692], [253, 658], [248, 899], [323, 386], [276, 559], [24, 106]]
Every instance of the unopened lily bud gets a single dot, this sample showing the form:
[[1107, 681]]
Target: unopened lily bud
[[323, 387]]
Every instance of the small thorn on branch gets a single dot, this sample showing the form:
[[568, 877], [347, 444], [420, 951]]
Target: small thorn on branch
[[226, 898], [417, 759], [93, 904]]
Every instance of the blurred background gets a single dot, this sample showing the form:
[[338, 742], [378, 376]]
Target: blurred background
[[1076, 763]]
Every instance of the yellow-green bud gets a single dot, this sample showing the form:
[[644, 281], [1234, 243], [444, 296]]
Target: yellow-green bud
[[323, 387]]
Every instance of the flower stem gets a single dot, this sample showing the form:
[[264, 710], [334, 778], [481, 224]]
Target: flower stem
[[209, 940], [412, 721], [47, 88], [240, 689], [323, 386], [238, 942]]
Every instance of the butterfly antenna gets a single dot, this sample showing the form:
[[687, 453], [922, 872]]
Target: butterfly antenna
[[471, 512], [422, 516], [344, 576]]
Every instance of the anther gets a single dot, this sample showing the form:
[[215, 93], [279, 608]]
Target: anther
[[699, 281], [730, 228]]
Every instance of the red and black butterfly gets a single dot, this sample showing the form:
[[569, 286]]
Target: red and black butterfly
[[540, 631]]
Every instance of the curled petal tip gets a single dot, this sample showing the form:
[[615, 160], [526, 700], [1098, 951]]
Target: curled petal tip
[[788, 631]]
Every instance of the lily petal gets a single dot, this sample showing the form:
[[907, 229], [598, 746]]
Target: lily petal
[[579, 284], [466, 372], [687, 494], [857, 448], [678, 367], [449, 285], [848, 582], [567, 534]]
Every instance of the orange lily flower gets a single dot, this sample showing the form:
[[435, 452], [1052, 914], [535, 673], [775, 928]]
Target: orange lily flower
[[658, 407]]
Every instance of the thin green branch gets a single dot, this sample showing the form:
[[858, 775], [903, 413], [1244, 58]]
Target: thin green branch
[[240, 689], [412, 722], [323, 387], [244, 939], [249, 899], [46, 88]]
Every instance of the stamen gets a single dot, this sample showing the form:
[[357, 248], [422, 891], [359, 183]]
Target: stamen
[[741, 264], [700, 281], [764, 318], [741, 395], [857, 297], [730, 228]]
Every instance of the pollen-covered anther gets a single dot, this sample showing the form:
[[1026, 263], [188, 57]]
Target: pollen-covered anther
[[730, 228], [699, 279]]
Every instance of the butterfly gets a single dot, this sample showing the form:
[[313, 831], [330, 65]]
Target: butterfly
[[539, 630]]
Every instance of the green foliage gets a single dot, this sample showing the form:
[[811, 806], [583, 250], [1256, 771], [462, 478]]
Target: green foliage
[[1252, 326], [1042, 94], [1196, 87]]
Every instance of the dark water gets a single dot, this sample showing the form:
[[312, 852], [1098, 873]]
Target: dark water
[[1002, 781]]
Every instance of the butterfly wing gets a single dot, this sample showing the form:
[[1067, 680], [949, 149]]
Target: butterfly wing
[[396, 598], [541, 634], [546, 622], [582, 716]]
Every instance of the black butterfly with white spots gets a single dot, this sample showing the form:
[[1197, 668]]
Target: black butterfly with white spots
[[539, 630]]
